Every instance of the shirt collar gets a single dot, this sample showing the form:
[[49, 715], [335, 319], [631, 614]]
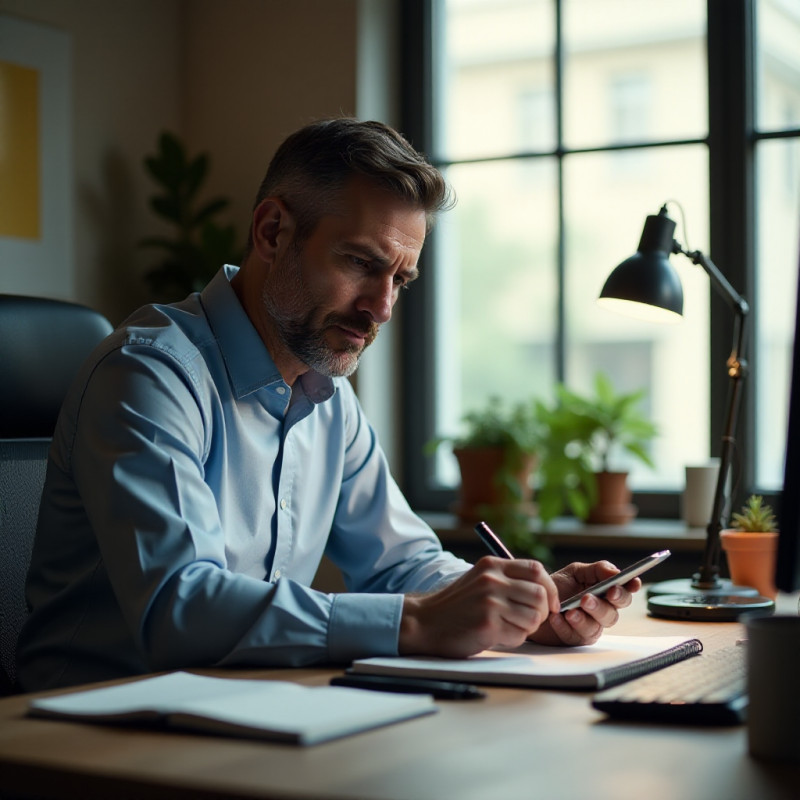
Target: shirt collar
[[247, 360]]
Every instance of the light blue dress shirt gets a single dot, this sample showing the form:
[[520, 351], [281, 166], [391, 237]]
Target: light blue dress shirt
[[189, 498]]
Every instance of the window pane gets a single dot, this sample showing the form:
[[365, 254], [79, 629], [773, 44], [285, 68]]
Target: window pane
[[494, 78], [778, 165], [778, 64], [670, 362], [634, 71], [496, 290]]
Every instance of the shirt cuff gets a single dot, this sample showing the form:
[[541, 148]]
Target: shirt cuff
[[363, 625]]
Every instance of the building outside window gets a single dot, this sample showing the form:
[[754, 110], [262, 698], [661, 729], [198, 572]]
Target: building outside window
[[560, 126]]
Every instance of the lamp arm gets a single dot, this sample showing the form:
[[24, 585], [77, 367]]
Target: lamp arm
[[718, 280], [708, 575]]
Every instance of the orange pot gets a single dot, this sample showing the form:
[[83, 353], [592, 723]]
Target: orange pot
[[751, 559], [613, 506], [479, 484]]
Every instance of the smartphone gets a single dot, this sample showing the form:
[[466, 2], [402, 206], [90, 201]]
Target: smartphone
[[601, 587]]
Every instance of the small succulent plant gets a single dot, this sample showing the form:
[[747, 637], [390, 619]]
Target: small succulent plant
[[755, 517]]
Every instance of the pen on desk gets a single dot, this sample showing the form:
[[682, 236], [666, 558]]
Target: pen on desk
[[441, 690], [492, 541]]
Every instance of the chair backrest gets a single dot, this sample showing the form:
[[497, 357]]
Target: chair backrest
[[42, 344]]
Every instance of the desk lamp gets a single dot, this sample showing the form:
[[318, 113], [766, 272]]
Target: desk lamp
[[647, 286]]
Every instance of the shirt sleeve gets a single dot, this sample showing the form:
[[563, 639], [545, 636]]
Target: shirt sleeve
[[377, 541], [138, 461]]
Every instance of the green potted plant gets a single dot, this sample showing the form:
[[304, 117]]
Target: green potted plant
[[750, 546], [497, 457], [583, 436], [199, 246]]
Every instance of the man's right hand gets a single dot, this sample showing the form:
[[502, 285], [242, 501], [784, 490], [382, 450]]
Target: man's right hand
[[499, 602]]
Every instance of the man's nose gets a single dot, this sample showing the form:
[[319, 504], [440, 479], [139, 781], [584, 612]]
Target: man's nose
[[379, 300]]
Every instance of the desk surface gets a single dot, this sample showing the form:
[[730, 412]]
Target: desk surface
[[518, 743]]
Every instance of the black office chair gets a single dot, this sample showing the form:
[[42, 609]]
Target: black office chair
[[42, 344]]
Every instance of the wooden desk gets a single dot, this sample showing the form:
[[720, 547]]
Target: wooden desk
[[518, 743]]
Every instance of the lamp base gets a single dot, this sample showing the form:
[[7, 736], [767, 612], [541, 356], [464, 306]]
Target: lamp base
[[689, 586], [704, 607]]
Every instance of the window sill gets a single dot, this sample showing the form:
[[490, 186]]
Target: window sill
[[659, 533], [573, 540]]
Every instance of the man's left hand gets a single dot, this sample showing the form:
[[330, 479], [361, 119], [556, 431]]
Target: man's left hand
[[584, 625]]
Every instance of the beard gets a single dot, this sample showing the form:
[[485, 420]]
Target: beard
[[294, 313]]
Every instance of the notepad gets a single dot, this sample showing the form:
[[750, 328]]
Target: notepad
[[277, 710], [611, 660]]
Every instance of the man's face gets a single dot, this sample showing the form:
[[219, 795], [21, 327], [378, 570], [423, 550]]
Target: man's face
[[328, 298]]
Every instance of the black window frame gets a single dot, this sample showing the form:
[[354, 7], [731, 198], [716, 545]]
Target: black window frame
[[731, 143]]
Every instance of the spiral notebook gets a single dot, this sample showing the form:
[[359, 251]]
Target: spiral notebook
[[611, 660]]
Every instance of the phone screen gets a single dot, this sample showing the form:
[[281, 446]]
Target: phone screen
[[624, 576]]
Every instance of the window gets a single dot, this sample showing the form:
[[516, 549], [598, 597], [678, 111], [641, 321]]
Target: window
[[535, 115], [561, 124], [630, 96], [777, 168]]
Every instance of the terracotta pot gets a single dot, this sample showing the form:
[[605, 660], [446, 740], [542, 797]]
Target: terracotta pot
[[479, 485], [613, 506], [751, 559]]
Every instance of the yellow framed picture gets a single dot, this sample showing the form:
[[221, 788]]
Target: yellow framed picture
[[36, 222]]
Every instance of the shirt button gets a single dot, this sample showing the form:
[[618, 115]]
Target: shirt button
[[283, 504], [277, 574], [280, 389]]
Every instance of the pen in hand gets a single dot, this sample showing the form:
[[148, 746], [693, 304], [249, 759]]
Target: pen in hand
[[492, 541]]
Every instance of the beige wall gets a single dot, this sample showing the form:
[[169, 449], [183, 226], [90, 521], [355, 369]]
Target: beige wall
[[233, 77], [257, 71], [126, 79]]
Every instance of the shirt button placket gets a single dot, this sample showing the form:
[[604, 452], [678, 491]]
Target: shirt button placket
[[283, 504]]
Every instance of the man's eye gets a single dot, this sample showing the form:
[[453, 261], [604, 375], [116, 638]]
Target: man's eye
[[400, 282], [362, 263]]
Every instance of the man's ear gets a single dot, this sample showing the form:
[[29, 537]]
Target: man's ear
[[273, 227]]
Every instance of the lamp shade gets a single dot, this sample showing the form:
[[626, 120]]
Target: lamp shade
[[646, 284]]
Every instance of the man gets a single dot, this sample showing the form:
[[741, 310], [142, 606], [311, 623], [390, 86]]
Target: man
[[211, 451]]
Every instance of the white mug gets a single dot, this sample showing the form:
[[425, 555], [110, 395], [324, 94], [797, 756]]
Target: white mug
[[698, 496]]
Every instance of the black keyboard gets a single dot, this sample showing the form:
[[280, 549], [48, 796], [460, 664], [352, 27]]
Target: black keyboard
[[708, 689]]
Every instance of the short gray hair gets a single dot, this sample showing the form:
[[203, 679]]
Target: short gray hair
[[313, 164]]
